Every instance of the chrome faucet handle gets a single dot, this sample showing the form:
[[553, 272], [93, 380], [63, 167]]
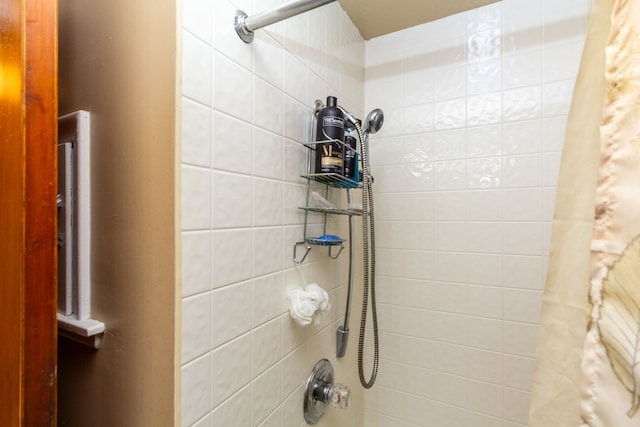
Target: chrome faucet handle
[[321, 390], [340, 396]]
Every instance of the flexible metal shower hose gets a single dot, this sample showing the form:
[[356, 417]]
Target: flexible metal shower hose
[[368, 242]]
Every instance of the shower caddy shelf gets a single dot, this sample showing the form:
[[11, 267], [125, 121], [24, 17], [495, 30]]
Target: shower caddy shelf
[[329, 180]]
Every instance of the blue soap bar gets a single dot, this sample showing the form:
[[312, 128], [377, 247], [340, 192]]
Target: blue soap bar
[[329, 239]]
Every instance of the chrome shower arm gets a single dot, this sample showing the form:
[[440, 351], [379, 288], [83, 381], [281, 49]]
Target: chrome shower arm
[[246, 25]]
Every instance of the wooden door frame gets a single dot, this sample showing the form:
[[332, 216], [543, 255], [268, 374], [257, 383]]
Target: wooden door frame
[[28, 181]]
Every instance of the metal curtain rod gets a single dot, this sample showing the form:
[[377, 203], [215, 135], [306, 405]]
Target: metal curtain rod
[[246, 25]]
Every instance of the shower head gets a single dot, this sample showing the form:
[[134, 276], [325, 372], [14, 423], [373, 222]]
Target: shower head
[[374, 121]]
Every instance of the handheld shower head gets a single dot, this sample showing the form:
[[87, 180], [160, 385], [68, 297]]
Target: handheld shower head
[[374, 121]]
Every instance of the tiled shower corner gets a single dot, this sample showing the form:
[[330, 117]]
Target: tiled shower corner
[[245, 112], [466, 168]]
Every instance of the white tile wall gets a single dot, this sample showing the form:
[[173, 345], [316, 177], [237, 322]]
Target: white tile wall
[[245, 112], [477, 137]]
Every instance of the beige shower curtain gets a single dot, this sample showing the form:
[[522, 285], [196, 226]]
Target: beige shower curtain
[[588, 361]]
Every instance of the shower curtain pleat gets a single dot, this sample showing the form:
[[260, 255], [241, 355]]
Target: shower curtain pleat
[[556, 387]]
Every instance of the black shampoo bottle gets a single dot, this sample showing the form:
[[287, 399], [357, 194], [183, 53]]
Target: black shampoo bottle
[[329, 157]]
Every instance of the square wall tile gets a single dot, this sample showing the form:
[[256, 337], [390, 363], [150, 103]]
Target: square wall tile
[[486, 334], [551, 168], [518, 372], [522, 137], [268, 299], [414, 206], [523, 171], [196, 198], [267, 205], [484, 141], [389, 235], [196, 133], [484, 45], [450, 236], [523, 272], [232, 88], [232, 254], [548, 203], [450, 205], [196, 65], [390, 178], [522, 69], [450, 144], [484, 17], [268, 59], [485, 398], [522, 305], [388, 151], [484, 109], [295, 81], [523, 204], [484, 77], [484, 269], [196, 262], [267, 253], [415, 177], [561, 60], [235, 411], [440, 296], [449, 81], [230, 313], [557, 97], [485, 301], [485, 237], [563, 21], [484, 205], [449, 267], [232, 150], [267, 344], [484, 172], [227, 42], [266, 393], [296, 119], [230, 369], [267, 153], [196, 17], [520, 338], [418, 148], [267, 106], [418, 118], [232, 203], [196, 326], [450, 114], [413, 264], [516, 405], [487, 366], [417, 236], [450, 175], [196, 390], [523, 25], [553, 133], [523, 238], [419, 81], [522, 103]]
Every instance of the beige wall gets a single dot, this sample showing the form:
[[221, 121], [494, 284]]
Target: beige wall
[[118, 61]]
